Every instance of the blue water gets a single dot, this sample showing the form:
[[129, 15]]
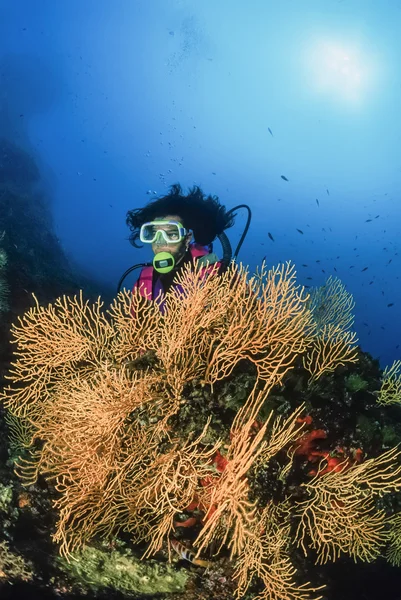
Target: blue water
[[119, 99]]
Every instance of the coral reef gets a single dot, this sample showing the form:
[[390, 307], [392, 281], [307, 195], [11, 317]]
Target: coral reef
[[226, 430]]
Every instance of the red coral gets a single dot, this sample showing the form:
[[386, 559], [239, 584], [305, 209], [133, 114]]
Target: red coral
[[308, 420], [336, 460], [358, 455], [219, 461], [187, 523], [334, 463], [305, 444], [337, 463]]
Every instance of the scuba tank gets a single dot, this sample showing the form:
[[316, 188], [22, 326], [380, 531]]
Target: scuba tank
[[228, 256]]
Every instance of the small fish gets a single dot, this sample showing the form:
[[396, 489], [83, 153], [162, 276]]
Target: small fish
[[389, 261], [284, 177], [364, 269], [368, 221], [309, 278], [328, 193], [270, 131], [300, 231], [352, 266], [270, 236], [391, 304], [335, 269], [304, 265], [377, 216], [187, 554], [317, 201], [370, 282]]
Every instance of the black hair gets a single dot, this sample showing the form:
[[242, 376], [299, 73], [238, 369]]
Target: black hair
[[203, 214]]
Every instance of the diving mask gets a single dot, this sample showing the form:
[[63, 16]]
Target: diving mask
[[172, 232], [163, 232]]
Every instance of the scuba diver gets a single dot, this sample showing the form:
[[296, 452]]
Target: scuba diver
[[181, 229]]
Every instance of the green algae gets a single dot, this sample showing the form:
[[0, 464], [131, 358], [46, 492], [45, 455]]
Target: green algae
[[119, 569]]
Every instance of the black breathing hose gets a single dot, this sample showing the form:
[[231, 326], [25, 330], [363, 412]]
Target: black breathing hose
[[225, 242], [128, 271]]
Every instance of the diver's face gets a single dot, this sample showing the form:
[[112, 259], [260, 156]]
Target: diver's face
[[177, 250]]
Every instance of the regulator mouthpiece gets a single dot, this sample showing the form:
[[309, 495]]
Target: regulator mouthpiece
[[163, 262]]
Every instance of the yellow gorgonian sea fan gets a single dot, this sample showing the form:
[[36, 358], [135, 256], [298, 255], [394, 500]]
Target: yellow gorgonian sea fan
[[333, 344], [390, 391], [340, 515], [70, 381]]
